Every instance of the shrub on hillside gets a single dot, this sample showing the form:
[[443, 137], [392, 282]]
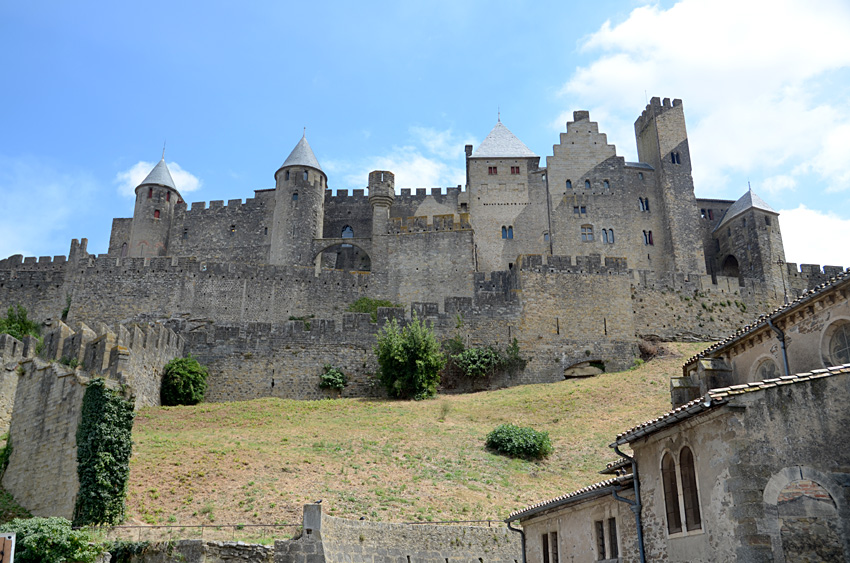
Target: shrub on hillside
[[369, 305], [518, 441], [17, 325], [478, 362], [50, 540], [332, 378], [409, 360], [184, 382]]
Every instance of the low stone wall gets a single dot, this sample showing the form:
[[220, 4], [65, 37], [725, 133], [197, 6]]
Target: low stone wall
[[327, 539]]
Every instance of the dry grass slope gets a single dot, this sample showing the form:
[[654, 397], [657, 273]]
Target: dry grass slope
[[259, 461]]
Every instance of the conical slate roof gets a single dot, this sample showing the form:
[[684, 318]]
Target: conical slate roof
[[302, 155], [501, 143], [160, 176], [747, 201]]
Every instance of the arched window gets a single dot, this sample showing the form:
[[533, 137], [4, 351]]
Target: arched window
[[646, 204], [587, 184], [347, 232], [651, 242], [156, 214], [124, 250], [671, 494], [838, 344], [640, 203], [605, 236], [504, 232], [640, 175], [294, 196], [606, 184], [150, 193], [766, 369], [286, 175], [611, 236], [689, 490], [510, 232], [306, 175], [232, 230], [569, 185]]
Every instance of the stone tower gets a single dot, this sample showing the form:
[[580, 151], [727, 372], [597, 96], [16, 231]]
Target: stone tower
[[381, 197], [156, 197], [662, 142], [299, 207]]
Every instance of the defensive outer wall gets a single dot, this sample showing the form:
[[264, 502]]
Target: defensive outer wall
[[326, 539], [564, 311], [41, 398]]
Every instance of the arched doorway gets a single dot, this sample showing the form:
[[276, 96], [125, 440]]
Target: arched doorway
[[730, 267]]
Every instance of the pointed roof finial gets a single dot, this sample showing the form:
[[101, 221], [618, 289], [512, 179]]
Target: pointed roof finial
[[749, 187], [305, 132], [163, 150], [499, 114]]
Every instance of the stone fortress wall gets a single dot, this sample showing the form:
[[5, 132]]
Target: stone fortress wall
[[577, 261]]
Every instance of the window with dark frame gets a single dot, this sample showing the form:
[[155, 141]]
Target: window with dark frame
[[587, 184], [553, 544], [167, 196], [606, 184], [306, 175], [504, 232], [613, 548], [514, 169], [510, 232], [569, 185], [671, 494], [580, 209], [587, 233], [544, 543], [156, 214], [599, 527], [492, 170], [150, 193], [693, 521]]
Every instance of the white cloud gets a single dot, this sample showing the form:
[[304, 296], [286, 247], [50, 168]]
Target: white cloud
[[430, 160], [778, 183], [41, 203], [759, 89], [128, 180], [814, 237]]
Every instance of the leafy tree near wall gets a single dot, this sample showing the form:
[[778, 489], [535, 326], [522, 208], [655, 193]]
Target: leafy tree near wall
[[17, 325], [50, 540], [409, 360], [184, 382], [104, 446]]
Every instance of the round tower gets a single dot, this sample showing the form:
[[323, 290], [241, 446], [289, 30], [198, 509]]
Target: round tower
[[156, 198], [381, 197], [299, 207]]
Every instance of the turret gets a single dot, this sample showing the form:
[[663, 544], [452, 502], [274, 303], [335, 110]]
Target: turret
[[299, 207], [156, 198], [381, 197]]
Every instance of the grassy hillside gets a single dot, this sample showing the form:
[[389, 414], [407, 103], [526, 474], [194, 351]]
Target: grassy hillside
[[260, 461]]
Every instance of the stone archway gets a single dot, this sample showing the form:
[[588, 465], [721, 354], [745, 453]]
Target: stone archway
[[809, 526], [730, 267]]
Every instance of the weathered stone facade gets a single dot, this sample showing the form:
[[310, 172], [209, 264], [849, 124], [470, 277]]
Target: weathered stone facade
[[577, 260]]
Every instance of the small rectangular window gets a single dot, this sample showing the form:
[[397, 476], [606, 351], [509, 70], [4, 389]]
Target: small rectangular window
[[185, 234], [514, 169], [492, 170], [150, 193], [599, 527], [613, 549], [553, 540], [156, 214], [167, 196], [587, 233], [544, 543]]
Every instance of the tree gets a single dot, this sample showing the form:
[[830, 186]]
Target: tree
[[17, 325], [50, 540], [409, 360], [184, 382]]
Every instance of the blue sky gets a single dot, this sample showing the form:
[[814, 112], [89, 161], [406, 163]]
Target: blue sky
[[93, 89]]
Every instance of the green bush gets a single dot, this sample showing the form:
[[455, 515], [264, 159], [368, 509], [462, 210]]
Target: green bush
[[332, 378], [478, 362], [409, 360], [517, 441], [104, 445], [17, 325], [184, 382], [369, 305], [50, 540]]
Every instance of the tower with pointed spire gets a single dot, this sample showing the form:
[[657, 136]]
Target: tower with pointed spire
[[299, 207], [156, 198]]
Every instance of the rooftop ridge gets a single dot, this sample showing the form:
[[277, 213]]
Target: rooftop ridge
[[501, 143]]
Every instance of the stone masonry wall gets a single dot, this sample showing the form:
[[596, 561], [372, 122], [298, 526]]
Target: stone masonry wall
[[42, 471]]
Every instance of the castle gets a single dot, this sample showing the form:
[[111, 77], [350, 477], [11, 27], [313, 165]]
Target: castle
[[577, 260]]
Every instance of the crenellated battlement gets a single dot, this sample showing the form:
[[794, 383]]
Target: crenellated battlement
[[592, 264], [654, 108], [399, 225], [218, 205], [812, 270]]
